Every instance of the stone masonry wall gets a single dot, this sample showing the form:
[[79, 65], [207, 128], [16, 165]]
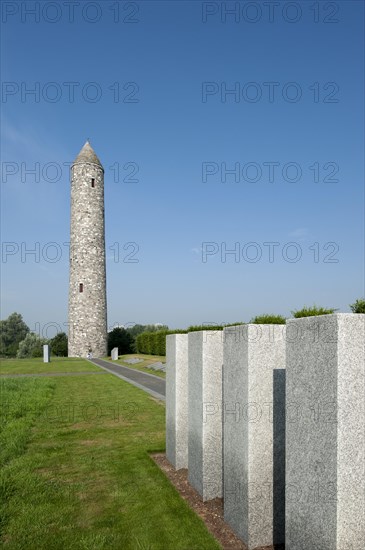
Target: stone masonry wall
[[87, 309]]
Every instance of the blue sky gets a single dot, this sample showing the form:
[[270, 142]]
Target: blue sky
[[293, 131]]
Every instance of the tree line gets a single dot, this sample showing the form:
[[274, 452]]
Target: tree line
[[16, 339]]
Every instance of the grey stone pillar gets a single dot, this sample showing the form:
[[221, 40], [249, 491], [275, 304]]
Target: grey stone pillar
[[254, 433], [114, 355], [325, 439], [177, 400], [205, 412], [87, 307], [46, 354]]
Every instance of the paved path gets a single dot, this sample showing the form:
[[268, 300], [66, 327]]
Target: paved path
[[153, 385], [50, 374]]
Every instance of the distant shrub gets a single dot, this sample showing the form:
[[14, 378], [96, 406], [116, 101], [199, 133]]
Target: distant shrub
[[13, 330], [59, 344], [268, 319], [358, 306], [31, 346], [312, 311], [121, 339]]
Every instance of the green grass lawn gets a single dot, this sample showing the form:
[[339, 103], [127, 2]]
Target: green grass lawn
[[76, 472], [147, 360], [36, 366]]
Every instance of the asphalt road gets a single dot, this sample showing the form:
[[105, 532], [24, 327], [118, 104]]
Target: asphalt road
[[153, 385]]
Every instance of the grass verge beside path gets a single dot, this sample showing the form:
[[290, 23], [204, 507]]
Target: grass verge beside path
[[36, 365], [147, 360], [80, 476]]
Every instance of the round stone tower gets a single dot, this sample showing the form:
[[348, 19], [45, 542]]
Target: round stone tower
[[87, 293]]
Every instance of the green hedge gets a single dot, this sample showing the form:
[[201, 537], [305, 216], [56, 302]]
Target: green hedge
[[154, 343]]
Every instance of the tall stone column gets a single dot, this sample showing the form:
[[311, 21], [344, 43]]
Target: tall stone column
[[254, 433], [87, 310], [325, 432], [177, 400], [205, 412]]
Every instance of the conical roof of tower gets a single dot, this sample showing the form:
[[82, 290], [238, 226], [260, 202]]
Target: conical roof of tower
[[87, 154]]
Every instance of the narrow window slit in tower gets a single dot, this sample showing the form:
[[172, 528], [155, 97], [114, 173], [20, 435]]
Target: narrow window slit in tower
[[81, 287], [92, 182]]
